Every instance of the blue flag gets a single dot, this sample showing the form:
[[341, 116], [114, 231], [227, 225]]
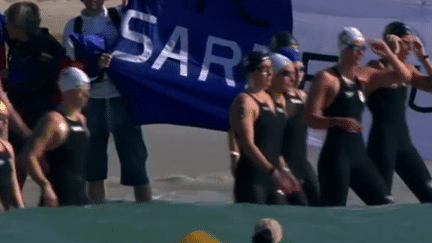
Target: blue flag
[[179, 61]]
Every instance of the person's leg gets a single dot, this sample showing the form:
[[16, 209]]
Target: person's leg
[[5, 192], [97, 191], [97, 160], [298, 199], [143, 193], [368, 183], [413, 171], [131, 150], [311, 186], [20, 167], [334, 176], [382, 149]]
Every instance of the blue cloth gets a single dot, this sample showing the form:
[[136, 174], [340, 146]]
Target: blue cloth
[[89, 47], [156, 88], [292, 54], [110, 115]]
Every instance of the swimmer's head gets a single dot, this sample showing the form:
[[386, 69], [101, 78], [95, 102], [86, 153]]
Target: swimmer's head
[[284, 73], [279, 62], [348, 36], [267, 230], [283, 39], [396, 28], [72, 78], [294, 56], [252, 61]]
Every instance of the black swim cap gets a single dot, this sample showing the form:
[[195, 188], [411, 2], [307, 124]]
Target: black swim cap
[[253, 60], [396, 28], [282, 39]]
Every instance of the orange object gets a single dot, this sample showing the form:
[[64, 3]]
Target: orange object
[[200, 236]]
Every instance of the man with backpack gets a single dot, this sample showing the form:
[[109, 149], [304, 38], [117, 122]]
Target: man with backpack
[[106, 110]]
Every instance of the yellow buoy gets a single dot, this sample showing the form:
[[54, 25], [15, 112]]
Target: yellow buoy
[[200, 236]]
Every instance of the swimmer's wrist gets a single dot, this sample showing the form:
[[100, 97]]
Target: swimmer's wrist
[[235, 154], [272, 170], [334, 122], [286, 169]]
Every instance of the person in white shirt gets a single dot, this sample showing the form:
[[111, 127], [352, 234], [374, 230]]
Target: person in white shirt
[[106, 113]]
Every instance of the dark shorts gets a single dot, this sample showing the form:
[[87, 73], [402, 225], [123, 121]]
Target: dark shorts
[[105, 116]]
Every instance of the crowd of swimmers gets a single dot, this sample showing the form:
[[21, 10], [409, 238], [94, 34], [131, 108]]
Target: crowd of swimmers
[[269, 121], [45, 133]]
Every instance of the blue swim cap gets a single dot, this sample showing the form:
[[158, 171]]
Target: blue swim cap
[[292, 54]]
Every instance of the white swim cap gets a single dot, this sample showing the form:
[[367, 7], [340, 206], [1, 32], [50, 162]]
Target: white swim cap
[[72, 78], [279, 62], [348, 36], [271, 225]]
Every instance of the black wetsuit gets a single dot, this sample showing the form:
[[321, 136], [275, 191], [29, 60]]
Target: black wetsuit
[[343, 160], [66, 166], [5, 176], [252, 184], [390, 145], [295, 155]]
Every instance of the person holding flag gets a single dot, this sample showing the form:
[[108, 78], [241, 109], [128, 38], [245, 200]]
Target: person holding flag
[[107, 111]]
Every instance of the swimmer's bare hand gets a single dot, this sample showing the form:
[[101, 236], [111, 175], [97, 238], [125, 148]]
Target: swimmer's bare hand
[[104, 60], [418, 47], [349, 125], [49, 197], [285, 181], [380, 48], [394, 43]]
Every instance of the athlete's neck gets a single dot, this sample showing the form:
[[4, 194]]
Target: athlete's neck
[[69, 112], [92, 12], [346, 70]]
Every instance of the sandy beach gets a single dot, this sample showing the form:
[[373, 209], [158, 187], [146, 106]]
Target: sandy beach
[[185, 152]]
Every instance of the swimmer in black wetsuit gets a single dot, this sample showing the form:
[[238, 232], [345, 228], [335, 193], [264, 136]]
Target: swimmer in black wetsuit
[[294, 142], [62, 137], [389, 143], [10, 193], [280, 40], [336, 103], [258, 126], [294, 148]]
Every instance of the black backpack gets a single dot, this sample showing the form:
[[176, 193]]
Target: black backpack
[[115, 18]]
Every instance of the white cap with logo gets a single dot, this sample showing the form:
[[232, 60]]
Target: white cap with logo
[[72, 78]]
